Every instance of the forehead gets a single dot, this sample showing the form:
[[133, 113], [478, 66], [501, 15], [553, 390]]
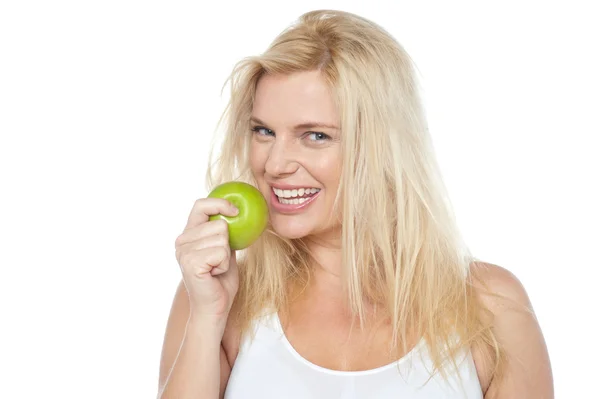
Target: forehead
[[285, 100]]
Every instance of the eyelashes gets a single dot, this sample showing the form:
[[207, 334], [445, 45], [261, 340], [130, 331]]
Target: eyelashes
[[318, 135], [311, 136], [262, 131]]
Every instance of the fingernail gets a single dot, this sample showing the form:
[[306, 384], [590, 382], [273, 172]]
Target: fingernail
[[234, 210]]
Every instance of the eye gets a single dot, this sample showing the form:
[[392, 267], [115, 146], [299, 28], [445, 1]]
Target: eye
[[317, 136], [263, 131]]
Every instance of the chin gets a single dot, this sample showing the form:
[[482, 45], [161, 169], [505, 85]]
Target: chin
[[290, 228]]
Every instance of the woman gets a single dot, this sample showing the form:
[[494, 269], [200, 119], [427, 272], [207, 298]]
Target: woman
[[361, 287]]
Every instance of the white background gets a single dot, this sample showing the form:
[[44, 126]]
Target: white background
[[106, 112]]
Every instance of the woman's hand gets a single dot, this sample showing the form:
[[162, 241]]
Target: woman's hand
[[207, 263]]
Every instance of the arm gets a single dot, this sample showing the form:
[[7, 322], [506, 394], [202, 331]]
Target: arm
[[193, 362], [528, 373]]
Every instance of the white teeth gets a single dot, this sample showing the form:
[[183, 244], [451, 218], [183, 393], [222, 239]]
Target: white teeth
[[295, 192], [295, 201]]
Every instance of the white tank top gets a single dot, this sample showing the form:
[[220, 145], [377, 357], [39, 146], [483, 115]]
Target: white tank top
[[268, 367]]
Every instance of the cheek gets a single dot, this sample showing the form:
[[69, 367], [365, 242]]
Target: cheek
[[331, 171], [257, 159], [329, 167]]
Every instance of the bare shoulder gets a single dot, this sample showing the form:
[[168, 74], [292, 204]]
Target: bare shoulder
[[527, 371], [497, 285]]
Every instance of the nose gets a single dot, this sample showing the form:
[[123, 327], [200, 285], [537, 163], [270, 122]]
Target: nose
[[281, 161]]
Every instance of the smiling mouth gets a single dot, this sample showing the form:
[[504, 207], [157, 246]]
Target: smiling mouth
[[295, 196]]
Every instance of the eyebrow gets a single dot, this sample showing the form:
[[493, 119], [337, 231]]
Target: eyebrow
[[304, 125]]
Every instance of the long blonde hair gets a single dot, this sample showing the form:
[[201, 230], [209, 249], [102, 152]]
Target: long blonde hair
[[402, 249]]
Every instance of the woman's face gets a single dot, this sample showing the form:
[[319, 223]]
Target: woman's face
[[295, 154]]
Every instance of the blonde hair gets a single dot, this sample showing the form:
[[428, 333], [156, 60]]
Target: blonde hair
[[402, 249]]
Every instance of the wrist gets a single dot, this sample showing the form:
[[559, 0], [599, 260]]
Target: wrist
[[208, 325]]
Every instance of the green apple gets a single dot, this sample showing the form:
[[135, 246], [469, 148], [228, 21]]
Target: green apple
[[251, 221]]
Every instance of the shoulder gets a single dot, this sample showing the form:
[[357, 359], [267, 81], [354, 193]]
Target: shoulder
[[495, 284], [526, 366]]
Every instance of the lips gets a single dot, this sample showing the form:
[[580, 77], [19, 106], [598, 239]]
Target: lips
[[293, 200], [292, 193]]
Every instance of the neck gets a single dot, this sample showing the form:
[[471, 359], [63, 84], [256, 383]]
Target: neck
[[326, 250], [326, 267], [325, 291], [327, 284]]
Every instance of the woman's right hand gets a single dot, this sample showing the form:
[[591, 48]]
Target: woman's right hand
[[207, 263]]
